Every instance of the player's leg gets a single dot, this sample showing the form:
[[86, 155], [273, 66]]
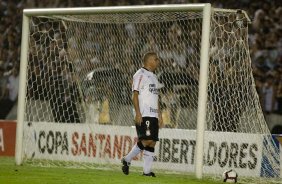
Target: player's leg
[[152, 131], [148, 156], [137, 148]]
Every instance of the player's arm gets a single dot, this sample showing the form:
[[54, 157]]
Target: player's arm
[[138, 116]]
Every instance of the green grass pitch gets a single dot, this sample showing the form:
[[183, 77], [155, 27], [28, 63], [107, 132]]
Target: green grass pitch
[[26, 174]]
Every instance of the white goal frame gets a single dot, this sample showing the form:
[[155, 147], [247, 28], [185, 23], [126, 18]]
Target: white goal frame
[[204, 59]]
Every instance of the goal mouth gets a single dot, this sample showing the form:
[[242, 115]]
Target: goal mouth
[[75, 96]]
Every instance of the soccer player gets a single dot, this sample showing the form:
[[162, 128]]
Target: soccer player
[[147, 114]]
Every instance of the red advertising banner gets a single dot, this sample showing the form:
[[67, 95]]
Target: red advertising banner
[[7, 138]]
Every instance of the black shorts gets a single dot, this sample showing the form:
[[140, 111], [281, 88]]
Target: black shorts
[[149, 129]]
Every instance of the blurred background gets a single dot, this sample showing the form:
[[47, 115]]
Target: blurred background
[[265, 42]]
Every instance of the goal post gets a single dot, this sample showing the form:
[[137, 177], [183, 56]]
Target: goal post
[[22, 90], [203, 86], [74, 105]]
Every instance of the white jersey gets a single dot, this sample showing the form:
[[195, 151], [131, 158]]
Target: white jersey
[[146, 83]]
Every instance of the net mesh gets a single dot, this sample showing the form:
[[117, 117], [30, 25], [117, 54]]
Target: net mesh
[[231, 85], [80, 70]]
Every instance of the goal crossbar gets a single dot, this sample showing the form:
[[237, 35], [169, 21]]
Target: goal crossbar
[[114, 9]]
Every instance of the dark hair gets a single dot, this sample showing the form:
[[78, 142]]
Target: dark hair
[[147, 55]]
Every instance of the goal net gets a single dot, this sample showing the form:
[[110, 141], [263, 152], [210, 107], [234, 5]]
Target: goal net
[[77, 108]]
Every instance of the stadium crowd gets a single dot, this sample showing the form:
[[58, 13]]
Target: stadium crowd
[[265, 41]]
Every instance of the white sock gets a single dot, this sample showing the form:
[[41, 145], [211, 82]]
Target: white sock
[[148, 161], [134, 151]]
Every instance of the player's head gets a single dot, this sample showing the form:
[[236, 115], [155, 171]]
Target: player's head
[[151, 61]]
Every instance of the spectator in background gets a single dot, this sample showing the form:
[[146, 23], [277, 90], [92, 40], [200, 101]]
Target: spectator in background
[[180, 56], [174, 34], [3, 84], [150, 44], [63, 93], [258, 20], [268, 91], [12, 89], [278, 19], [166, 55], [13, 84], [131, 31], [279, 92]]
